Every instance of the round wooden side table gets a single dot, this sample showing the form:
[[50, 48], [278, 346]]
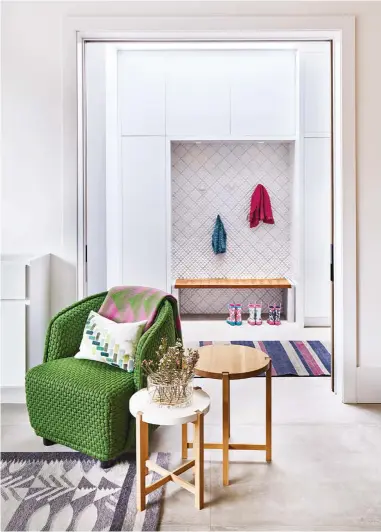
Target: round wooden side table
[[147, 412], [232, 362]]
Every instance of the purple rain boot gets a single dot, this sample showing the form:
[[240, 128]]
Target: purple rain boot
[[277, 321], [271, 320]]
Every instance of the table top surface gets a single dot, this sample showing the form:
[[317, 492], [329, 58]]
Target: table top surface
[[239, 361], [164, 415]]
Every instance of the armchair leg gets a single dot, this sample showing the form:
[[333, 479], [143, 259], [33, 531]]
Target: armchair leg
[[106, 464], [47, 442]]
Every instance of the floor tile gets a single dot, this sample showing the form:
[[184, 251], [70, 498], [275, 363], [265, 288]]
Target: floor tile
[[181, 528], [178, 507], [325, 473], [14, 414], [320, 476], [22, 438]]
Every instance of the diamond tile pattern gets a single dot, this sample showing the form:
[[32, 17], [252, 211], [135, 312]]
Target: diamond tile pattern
[[219, 178], [215, 301]]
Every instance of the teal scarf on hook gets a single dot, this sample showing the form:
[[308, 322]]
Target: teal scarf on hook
[[219, 237]]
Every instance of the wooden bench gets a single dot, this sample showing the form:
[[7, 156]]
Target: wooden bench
[[253, 283], [232, 283]]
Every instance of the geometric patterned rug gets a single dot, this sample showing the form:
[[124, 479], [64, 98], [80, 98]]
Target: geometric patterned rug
[[70, 491], [290, 358]]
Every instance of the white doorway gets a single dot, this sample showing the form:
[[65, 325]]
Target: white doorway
[[196, 139]]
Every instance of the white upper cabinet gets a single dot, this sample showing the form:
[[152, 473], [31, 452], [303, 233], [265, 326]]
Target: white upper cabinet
[[209, 94], [316, 96], [141, 93], [197, 95], [263, 94]]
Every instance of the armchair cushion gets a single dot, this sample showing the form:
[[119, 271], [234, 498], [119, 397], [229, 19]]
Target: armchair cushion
[[109, 342], [81, 404]]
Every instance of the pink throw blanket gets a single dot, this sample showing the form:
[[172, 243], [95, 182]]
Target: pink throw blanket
[[125, 304]]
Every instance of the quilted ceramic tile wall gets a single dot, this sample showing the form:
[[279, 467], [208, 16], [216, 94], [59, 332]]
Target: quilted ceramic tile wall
[[219, 178], [215, 301]]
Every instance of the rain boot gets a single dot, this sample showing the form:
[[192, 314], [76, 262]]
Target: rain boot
[[251, 319], [238, 314], [231, 317], [278, 308], [258, 314], [271, 319]]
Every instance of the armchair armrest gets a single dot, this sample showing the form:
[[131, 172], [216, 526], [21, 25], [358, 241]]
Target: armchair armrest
[[65, 330], [164, 326]]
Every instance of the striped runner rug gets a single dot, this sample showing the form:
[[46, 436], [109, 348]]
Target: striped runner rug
[[290, 358]]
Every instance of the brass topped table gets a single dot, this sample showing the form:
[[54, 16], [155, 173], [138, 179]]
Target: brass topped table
[[232, 362]]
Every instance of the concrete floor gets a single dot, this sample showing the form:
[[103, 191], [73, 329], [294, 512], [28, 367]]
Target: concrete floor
[[325, 474]]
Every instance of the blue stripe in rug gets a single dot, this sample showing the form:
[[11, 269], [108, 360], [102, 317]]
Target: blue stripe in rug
[[322, 353], [243, 342], [280, 359]]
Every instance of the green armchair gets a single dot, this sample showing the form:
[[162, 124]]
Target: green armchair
[[83, 404]]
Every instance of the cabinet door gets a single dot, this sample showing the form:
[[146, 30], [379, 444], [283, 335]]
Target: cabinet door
[[316, 92], [141, 93], [13, 355], [144, 212], [263, 94], [317, 204], [197, 95]]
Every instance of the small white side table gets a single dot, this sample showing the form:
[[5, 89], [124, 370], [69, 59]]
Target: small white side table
[[147, 412]]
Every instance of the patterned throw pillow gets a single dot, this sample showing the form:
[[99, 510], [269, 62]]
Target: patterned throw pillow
[[109, 342]]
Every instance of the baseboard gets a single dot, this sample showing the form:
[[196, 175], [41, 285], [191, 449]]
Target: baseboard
[[317, 322], [369, 384], [12, 394]]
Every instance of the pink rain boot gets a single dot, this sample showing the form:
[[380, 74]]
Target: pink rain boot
[[231, 317], [238, 314], [277, 315], [251, 319], [271, 320], [258, 314]]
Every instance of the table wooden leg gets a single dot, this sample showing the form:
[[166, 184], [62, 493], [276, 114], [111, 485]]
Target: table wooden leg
[[268, 414], [225, 427], [145, 447], [199, 460], [229, 409], [141, 456], [184, 441]]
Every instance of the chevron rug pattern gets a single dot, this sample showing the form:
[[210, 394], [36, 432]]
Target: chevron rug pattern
[[70, 491]]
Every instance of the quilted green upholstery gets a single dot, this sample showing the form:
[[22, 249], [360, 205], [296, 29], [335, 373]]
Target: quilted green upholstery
[[82, 403]]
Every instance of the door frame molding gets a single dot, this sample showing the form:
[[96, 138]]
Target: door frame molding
[[340, 30]]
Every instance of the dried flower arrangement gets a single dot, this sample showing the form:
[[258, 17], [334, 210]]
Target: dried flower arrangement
[[170, 373]]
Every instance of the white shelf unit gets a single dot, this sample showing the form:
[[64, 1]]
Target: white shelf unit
[[25, 315]]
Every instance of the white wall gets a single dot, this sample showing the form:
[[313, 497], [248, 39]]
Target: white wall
[[32, 118]]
